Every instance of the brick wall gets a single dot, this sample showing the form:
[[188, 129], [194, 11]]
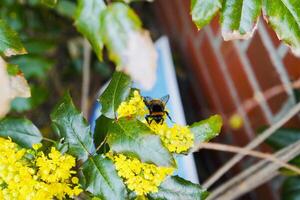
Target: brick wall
[[232, 76]]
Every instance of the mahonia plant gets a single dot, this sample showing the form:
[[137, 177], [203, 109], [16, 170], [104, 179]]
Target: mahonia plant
[[124, 157]]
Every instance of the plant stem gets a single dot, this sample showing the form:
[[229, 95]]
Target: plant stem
[[253, 144], [49, 140], [100, 145], [254, 176], [234, 149], [85, 77]]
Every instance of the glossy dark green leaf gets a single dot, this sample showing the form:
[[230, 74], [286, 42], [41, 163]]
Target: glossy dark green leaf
[[239, 18], [203, 11], [206, 130], [71, 126], [101, 130], [22, 131], [119, 20], [284, 17], [283, 137], [10, 43], [135, 138], [176, 188], [88, 22], [291, 189], [101, 179], [33, 66], [116, 92]]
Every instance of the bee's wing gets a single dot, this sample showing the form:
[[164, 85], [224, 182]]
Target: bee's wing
[[147, 100], [165, 99]]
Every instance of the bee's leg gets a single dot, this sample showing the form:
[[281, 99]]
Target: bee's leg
[[169, 116], [161, 120], [148, 120]]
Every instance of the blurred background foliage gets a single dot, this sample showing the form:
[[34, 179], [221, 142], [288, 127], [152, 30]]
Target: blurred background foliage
[[54, 60]]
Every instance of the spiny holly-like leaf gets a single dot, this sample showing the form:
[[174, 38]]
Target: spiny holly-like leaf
[[135, 138], [291, 189], [101, 179], [284, 17], [88, 22], [119, 20], [71, 126], [10, 43], [116, 92], [203, 11], [176, 188], [206, 130], [22, 131], [239, 18]]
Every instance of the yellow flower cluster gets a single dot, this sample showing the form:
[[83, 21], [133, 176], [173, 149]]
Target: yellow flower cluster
[[133, 107], [142, 178], [177, 139], [42, 177]]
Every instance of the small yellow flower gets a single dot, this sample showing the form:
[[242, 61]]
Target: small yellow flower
[[44, 177], [142, 178], [177, 139], [133, 107], [37, 146]]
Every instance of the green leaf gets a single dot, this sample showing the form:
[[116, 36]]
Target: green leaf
[[116, 92], [12, 69], [176, 188], [21, 131], [118, 22], [101, 129], [284, 17], [136, 139], [66, 8], [239, 18], [73, 128], [10, 43], [102, 180], [203, 11], [50, 3], [33, 66], [283, 137], [39, 46], [88, 22], [206, 130], [291, 189]]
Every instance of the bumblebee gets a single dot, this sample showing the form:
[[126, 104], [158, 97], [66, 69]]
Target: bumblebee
[[156, 109]]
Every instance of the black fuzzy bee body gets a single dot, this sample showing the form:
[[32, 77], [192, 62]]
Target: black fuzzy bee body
[[156, 109]]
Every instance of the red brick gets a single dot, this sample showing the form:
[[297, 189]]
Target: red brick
[[186, 7], [227, 47], [264, 70], [238, 75], [277, 102], [212, 66], [215, 25], [196, 67], [257, 118], [292, 65], [272, 34]]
